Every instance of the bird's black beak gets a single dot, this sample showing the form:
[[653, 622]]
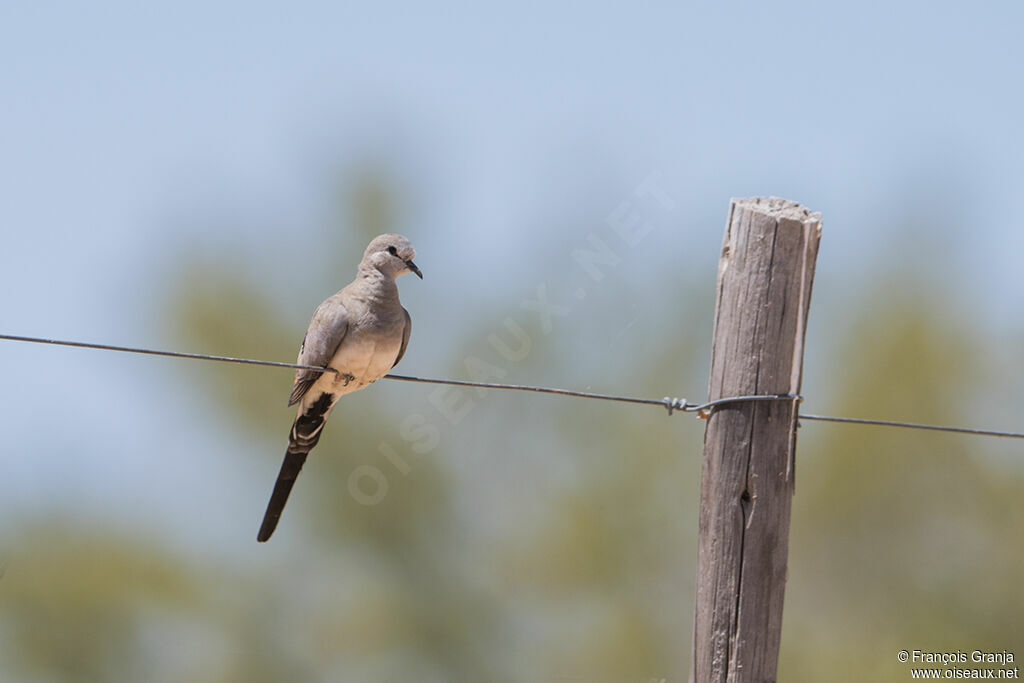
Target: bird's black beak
[[414, 268]]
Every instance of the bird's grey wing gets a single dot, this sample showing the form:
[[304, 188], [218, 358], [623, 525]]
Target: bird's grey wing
[[405, 336], [324, 336]]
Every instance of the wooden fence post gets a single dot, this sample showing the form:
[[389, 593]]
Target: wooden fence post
[[747, 478]]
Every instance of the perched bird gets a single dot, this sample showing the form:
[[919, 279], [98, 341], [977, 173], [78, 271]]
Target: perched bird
[[361, 332]]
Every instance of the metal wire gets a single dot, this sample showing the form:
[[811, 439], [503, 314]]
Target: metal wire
[[170, 354], [546, 390], [670, 404], [741, 399], [913, 425]]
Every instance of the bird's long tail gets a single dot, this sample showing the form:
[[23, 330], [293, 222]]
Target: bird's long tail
[[303, 437]]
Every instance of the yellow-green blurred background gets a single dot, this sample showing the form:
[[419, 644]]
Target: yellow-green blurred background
[[199, 177]]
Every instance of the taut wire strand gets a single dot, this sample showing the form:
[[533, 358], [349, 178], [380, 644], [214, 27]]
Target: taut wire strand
[[670, 404], [169, 354], [913, 425], [543, 390]]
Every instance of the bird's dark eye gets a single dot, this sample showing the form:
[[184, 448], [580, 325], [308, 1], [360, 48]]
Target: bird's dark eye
[[392, 251]]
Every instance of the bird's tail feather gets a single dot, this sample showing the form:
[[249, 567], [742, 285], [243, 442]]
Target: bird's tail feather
[[304, 436], [293, 462]]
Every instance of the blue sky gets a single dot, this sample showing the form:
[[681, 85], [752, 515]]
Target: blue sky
[[128, 128]]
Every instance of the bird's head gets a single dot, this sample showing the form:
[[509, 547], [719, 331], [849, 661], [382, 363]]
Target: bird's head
[[391, 255]]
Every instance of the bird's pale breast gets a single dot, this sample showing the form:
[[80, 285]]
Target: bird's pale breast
[[362, 360]]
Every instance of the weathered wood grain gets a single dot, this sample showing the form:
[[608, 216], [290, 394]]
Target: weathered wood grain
[[747, 480]]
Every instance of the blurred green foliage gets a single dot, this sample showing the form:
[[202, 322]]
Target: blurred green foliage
[[900, 539]]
